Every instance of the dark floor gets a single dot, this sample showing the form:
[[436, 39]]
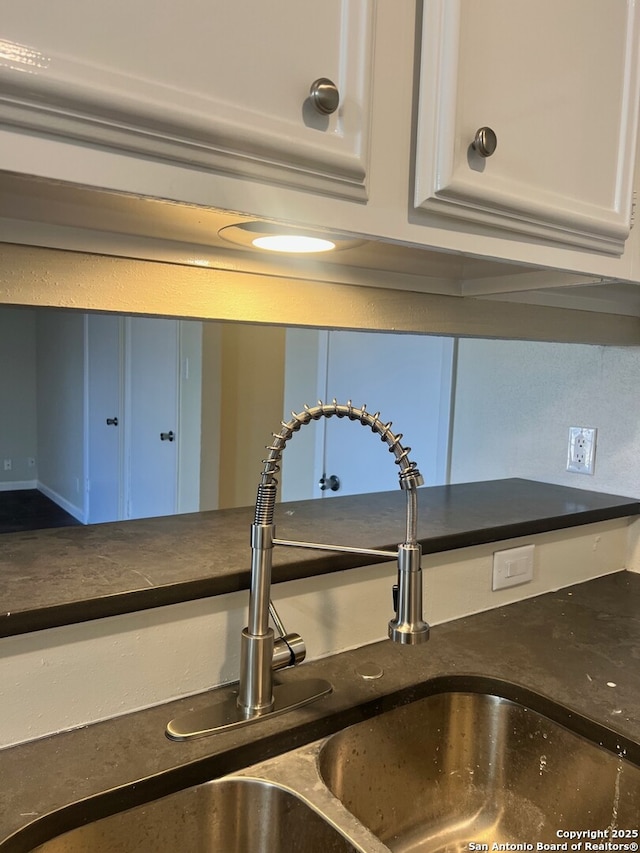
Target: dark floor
[[29, 509]]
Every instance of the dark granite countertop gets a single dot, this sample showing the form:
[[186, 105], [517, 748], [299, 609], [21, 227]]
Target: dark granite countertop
[[579, 647], [73, 574]]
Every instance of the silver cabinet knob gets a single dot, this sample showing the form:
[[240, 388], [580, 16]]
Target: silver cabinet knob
[[324, 95], [112, 422], [485, 142], [167, 436]]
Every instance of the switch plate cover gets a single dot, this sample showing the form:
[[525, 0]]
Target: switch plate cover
[[512, 567]]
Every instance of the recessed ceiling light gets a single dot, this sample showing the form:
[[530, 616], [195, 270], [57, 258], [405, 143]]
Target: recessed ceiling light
[[297, 243], [281, 238]]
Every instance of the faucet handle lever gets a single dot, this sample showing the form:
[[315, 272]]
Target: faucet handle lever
[[288, 650], [277, 621]]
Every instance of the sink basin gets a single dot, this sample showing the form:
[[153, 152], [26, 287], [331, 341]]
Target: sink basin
[[462, 767], [234, 815], [457, 771]]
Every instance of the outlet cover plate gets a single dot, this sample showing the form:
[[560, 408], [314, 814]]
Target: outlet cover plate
[[512, 567], [581, 450]]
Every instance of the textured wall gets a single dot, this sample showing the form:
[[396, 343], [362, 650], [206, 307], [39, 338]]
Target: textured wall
[[515, 402]]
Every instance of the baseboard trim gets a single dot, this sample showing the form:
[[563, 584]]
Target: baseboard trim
[[66, 505], [18, 485]]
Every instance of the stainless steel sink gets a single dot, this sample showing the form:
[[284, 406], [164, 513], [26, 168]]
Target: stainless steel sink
[[234, 815], [456, 768], [459, 767]]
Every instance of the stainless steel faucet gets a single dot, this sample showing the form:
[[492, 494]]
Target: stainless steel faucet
[[261, 653]]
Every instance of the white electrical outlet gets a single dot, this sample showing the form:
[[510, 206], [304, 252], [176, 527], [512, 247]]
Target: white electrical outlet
[[581, 452]]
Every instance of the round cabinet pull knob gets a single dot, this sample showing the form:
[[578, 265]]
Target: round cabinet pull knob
[[167, 436], [324, 95], [485, 142], [112, 422]]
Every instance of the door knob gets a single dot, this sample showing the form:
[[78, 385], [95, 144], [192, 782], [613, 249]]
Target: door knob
[[167, 436], [112, 422], [332, 483]]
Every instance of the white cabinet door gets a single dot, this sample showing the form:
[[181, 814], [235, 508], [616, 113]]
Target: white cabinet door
[[218, 84], [557, 81]]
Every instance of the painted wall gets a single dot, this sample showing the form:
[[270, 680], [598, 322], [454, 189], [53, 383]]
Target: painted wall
[[18, 434], [60, 402], [251, 404], [50, 678], [516, 400]]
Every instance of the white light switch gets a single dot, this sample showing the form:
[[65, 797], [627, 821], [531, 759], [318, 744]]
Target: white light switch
[[512, 567]]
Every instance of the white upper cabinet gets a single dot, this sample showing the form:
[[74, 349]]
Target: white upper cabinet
[[556, 81], [142, 129], [219, 84]]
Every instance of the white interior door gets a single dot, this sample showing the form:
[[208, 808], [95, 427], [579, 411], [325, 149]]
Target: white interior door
[[152, 381], [407, 378], [104, 445]]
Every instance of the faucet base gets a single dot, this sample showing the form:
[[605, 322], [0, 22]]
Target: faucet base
[[227, 715], [411, 635]]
